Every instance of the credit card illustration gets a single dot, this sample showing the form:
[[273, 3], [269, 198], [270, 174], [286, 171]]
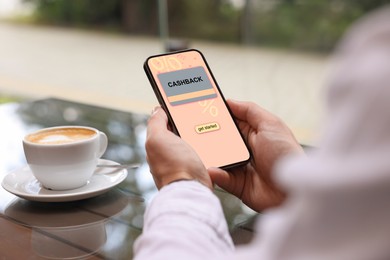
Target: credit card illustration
[[186, 86]]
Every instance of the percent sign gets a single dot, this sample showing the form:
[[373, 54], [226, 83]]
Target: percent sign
[[208, 107]]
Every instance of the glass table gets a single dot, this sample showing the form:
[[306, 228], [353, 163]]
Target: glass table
[[101, 227]]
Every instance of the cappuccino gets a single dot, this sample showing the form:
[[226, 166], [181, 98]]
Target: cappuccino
[[61, 136]]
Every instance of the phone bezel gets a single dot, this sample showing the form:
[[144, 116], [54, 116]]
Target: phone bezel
[[162, 103]]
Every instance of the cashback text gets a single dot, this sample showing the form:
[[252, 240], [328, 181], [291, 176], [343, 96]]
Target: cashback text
[[182, 82]]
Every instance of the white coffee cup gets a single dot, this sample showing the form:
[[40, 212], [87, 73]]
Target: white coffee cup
[[64, 157]]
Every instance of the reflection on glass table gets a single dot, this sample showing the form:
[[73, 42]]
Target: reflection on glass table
[[104, 226], [75, 229]]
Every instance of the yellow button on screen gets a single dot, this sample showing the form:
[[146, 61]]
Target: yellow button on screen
[[209, 127]]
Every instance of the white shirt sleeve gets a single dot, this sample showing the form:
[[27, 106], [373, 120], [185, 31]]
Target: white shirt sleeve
[[184, 221]]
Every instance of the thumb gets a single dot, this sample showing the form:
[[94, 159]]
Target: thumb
[[157, 122]]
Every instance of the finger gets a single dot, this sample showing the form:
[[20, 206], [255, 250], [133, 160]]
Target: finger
[[223, 179], [248, 112], [219, 177]]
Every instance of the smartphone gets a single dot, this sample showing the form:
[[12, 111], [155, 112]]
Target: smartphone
[[186, 89]]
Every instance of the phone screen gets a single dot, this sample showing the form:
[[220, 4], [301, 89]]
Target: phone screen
[[186, 88]]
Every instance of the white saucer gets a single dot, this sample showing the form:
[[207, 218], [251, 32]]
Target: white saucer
[[22, 183]]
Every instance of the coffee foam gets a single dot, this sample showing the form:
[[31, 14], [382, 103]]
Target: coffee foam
[[61, 136]]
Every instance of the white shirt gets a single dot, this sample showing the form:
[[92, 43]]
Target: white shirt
[[339, 195]]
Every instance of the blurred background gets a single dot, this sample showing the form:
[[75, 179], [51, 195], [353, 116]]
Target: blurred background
[[272, 52]]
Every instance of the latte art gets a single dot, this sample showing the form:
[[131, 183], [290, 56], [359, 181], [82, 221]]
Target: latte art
[[61, 136]]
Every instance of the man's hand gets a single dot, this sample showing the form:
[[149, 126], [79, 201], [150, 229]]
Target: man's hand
[[269, 139], [170, 158]]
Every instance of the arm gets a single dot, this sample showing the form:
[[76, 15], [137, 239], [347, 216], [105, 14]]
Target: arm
[[338, 197], [185, 221]]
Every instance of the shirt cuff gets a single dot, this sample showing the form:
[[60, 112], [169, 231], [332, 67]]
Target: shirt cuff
[[192, 201]]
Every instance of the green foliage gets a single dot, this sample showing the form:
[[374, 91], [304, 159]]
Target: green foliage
[[79, 13], [304, 24], [314, 24], [8, 99], [215, 20]]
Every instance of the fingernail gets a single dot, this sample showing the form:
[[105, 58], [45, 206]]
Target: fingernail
[[154, 111]]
